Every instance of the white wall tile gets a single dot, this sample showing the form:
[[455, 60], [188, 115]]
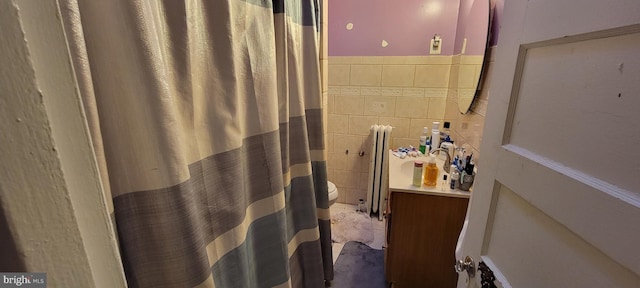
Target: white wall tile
[[379, 105], [370, 91], [366, 75], [334, 90], [339, 74], [346, 179], [350, 91], [414, 107], [338, 123], [436, 92], [398, 75], [413, 92], [391, 91], [437, 108], [336, 161], [345, 142], [432, 76], [361, 125], [351, 105], [400, 125], [415, 128]]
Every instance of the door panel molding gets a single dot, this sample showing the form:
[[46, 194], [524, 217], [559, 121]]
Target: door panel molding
[[522, 60], [528, 246], [520, 170]]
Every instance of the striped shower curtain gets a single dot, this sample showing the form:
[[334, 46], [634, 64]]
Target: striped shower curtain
[[207, 125]]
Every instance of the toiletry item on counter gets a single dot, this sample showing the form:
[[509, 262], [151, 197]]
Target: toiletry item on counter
[[431, 172], [402, 152], [423, 140], [455, 177], [466, 180], [444, 133], [467, 176], [450, 147], [435, 136], [417, 173], [444, 182], [400, 155]]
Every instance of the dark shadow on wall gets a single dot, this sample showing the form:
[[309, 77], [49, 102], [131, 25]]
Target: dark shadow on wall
[[10, 260]]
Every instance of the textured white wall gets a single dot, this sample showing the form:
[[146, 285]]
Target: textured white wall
[[50, 190]]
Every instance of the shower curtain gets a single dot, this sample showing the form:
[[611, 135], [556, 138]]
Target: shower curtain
[[206, 119]]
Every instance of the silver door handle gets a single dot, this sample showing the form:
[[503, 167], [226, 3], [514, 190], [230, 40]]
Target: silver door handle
[[466, 265]]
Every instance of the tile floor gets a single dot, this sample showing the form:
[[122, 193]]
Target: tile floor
[[378, 230]]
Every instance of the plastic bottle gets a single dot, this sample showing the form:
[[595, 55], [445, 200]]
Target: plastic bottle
[[435, 136], [417, 173], [455, 176], [444, 133], [431, 172], [444, 182], [361, 206], [423, 140]]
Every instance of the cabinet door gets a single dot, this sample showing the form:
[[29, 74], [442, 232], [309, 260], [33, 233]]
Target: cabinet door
[[423, 234]]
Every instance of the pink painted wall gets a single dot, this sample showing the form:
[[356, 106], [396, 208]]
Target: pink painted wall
[[471, 14], [407, 25]]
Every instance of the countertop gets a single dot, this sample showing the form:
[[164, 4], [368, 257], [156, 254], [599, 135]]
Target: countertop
[[401, 176]]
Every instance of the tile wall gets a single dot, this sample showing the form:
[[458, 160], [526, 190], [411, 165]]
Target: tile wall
[[407, 92]]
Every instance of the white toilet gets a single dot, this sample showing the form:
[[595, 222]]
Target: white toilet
[[333, 193]]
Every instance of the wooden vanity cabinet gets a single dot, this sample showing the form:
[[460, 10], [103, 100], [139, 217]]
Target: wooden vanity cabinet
[[422, 232]]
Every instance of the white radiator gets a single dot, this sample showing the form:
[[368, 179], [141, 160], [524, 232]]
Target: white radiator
[[378, 170]]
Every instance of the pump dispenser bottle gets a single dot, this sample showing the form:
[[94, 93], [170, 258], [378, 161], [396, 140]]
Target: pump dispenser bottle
[[435, 136], [431, 172]]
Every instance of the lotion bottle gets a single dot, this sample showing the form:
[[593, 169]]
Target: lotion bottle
[[431, 172], [435, 136]]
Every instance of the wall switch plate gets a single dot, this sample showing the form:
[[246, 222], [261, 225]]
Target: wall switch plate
[[435, 48]]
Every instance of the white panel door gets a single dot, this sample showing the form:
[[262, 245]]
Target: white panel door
[[557, 197]]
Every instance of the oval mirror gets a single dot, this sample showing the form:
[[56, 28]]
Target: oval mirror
[[471, 50]]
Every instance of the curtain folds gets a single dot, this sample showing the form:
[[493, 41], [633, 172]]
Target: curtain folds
[[206, 119]]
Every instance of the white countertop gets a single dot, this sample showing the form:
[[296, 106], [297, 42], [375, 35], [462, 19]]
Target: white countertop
[[401, 177]]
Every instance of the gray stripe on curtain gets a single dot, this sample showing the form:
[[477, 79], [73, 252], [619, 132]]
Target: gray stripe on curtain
[[301, 206], [307, 256], [322, 201], [314, 128], [190, 215], [264, 251], [168, 229]]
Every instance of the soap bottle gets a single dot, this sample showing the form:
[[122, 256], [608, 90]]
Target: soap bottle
[[435, 136], [417, 173], [431, 172], [423, 140]]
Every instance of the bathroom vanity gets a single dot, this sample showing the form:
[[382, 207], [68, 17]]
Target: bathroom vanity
[[423, 224]]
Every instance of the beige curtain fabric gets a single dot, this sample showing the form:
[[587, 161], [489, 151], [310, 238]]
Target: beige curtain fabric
[[206, 120]]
